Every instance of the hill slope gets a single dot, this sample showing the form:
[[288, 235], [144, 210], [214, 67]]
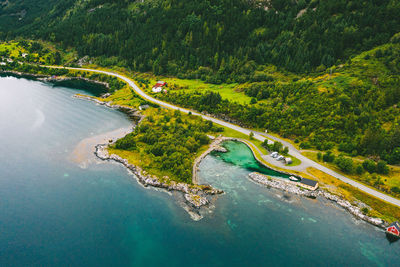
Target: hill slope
[[228, 38]]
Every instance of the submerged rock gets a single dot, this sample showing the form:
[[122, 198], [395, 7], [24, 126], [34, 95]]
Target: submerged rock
[[196, 200], [220, 149]]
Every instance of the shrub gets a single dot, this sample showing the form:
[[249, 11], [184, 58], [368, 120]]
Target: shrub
[[365, 210], [346, 147], [359, 169], [395, 189], [369, 166], [345, 164], [277, 146], [328, 157], [251, 135], [305, 145], [382, 167]]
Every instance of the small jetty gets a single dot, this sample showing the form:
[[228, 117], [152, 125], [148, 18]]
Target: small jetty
[[393, 230]]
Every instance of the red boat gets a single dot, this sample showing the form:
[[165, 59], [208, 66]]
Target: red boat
[[394, 229]]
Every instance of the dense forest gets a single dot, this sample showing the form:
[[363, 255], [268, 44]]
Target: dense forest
[[215, 40]]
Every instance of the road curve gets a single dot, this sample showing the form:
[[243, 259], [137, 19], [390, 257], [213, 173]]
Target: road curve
[[257, 135]]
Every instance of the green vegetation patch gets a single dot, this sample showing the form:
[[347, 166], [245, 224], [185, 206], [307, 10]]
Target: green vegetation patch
[[166, 143]]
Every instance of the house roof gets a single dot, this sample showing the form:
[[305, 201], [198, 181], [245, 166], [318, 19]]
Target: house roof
[[160, 84], [308, 182]]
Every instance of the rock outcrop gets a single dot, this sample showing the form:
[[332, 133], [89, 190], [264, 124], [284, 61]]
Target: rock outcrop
[[356, 210], [195, 195], [132, 113]]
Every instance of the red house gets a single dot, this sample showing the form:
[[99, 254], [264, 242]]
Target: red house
[[160, 84], [158, 87], [394, 229]]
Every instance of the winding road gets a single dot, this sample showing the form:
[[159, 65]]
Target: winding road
[[306, 162]]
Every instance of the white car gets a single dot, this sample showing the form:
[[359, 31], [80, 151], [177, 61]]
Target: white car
[[274, 154], [280, 158]]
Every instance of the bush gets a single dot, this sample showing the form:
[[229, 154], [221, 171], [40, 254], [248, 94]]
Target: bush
[[305, 145], [359, 169], [277, 146], [346, 147], [328, 157], [395, 189], [382, 167], [319, 155], [327, 145], [126, 143], [369, 166], [365, 210], [251, 135], [395, 156], [265, 144], [345, 164]]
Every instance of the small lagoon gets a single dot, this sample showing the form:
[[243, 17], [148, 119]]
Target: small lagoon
[[239, 154]]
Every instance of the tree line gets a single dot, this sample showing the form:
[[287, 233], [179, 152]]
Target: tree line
[[216, 41]]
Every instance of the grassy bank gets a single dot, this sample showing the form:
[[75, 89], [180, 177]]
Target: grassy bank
[[378, 208], [381, 182]]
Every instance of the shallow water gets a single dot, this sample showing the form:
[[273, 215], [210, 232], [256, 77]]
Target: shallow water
[[240, 155], [54, 212]]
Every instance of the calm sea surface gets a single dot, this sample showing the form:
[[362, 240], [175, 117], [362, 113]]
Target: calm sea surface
[[57, 211]]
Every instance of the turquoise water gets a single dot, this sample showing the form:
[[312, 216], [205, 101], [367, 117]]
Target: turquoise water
[[55, 213], [241, 155]]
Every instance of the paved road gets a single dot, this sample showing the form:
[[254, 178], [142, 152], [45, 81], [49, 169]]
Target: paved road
[[306, 162]]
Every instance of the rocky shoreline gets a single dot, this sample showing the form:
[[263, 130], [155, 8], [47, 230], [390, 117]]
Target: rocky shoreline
[[51, 79], [131, 112], [355, 210], [24, 75], [196, 196]]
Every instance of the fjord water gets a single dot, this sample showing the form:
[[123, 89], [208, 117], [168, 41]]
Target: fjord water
[[54, 211]]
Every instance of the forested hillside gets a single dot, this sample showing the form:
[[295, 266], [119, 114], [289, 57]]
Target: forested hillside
[[216, 40], [354, 106]]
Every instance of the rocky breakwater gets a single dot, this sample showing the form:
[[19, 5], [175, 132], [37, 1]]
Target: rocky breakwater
[[195, 196], [355, 209]]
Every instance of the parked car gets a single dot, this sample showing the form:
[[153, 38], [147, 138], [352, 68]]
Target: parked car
[[274, 154], [280, 158]]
